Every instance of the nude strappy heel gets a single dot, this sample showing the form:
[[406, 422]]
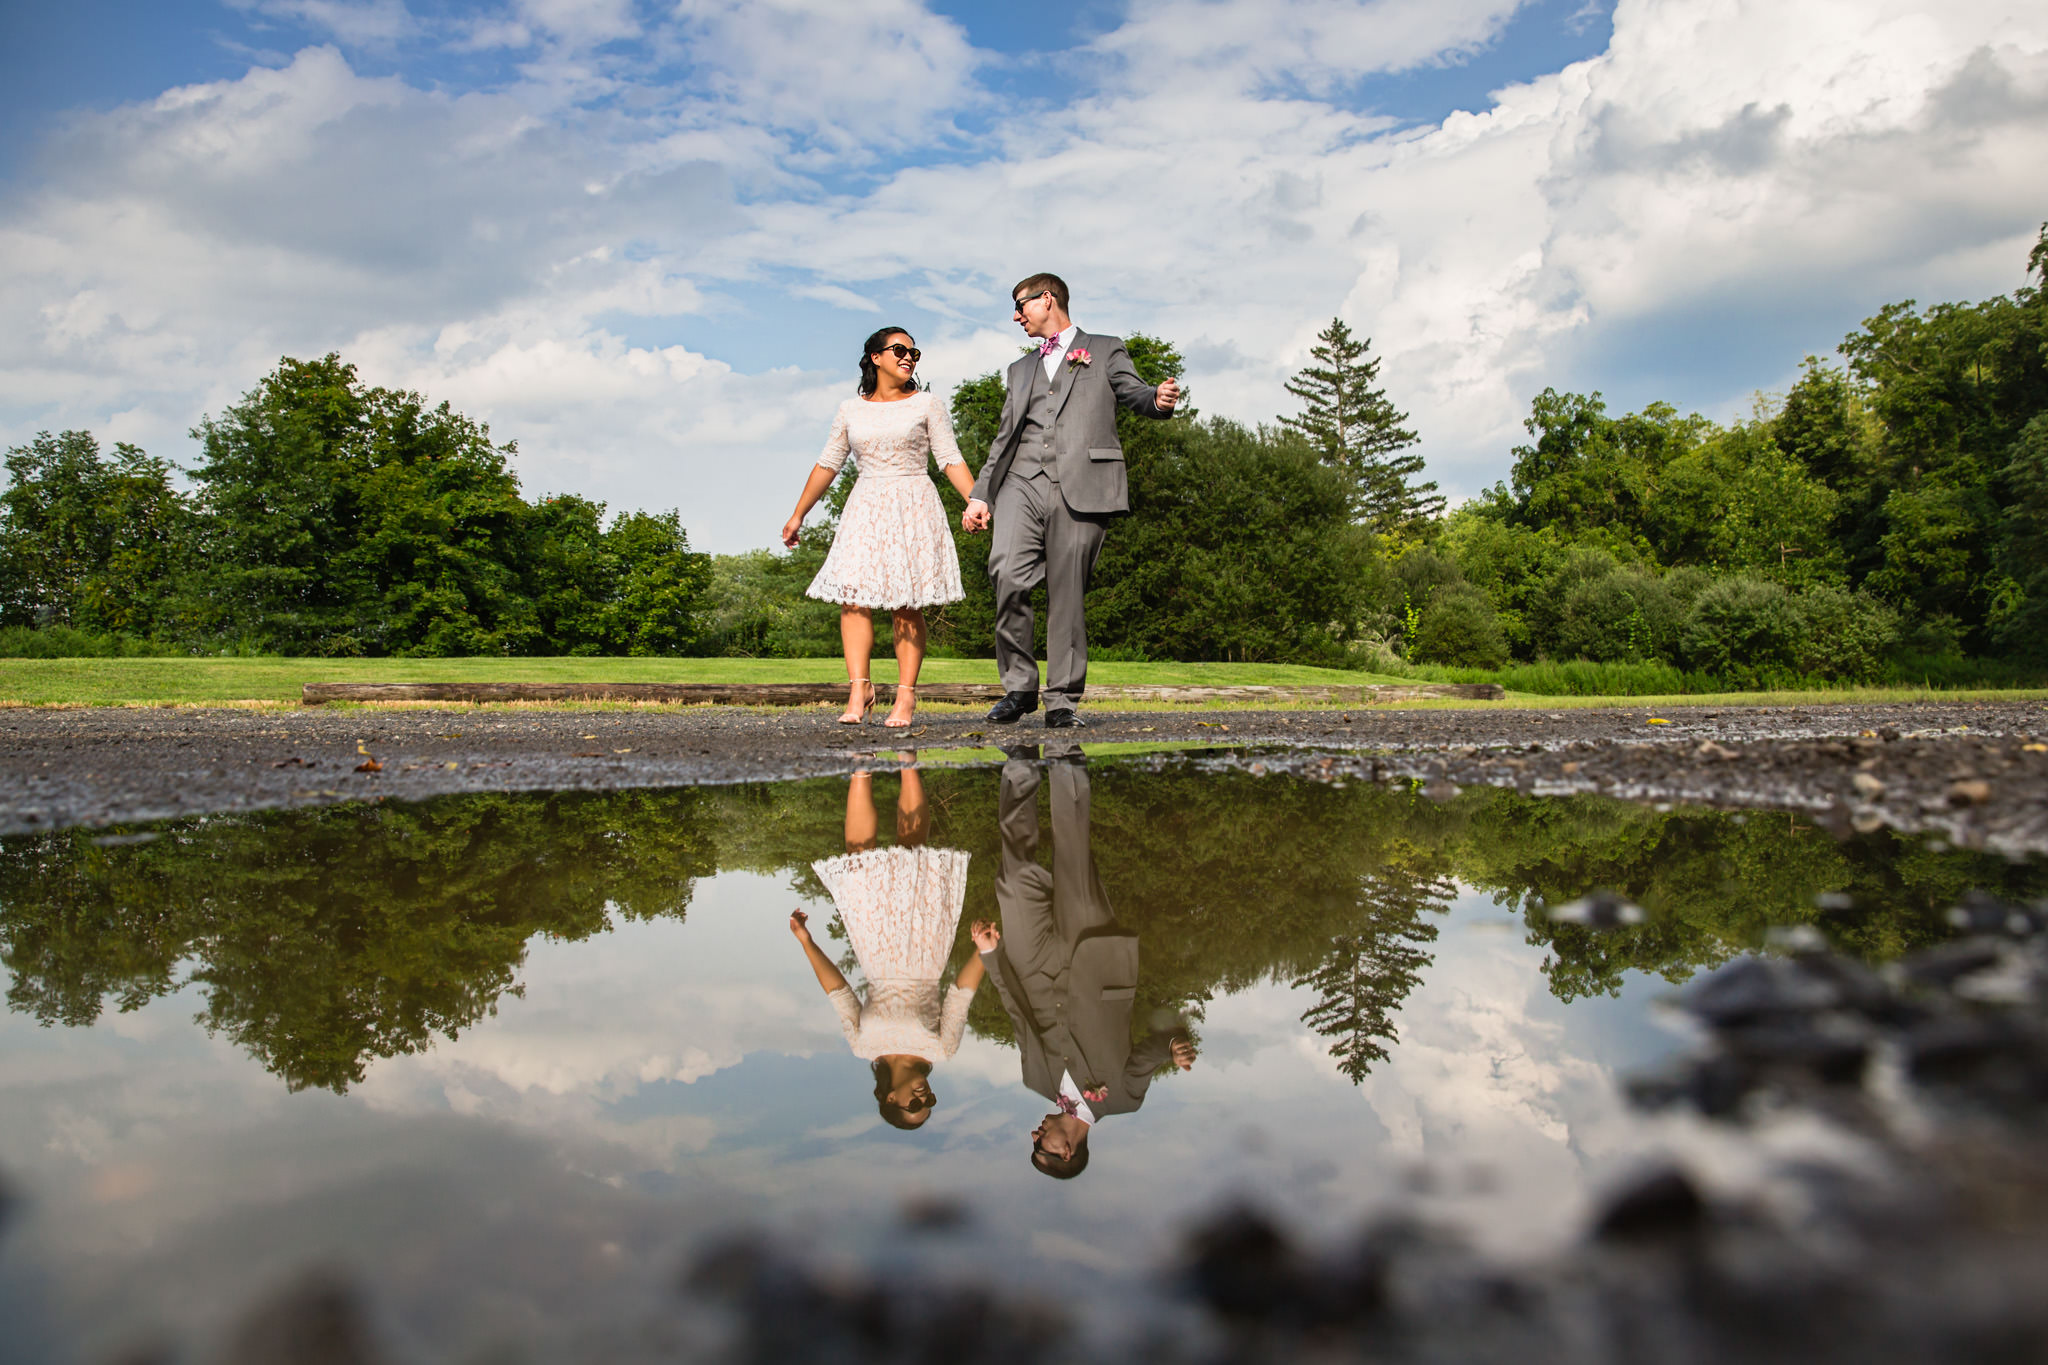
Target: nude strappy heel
[[890, 721], [867, 704]]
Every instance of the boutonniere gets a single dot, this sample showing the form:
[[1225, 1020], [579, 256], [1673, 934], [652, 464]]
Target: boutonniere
[[1079, 356]]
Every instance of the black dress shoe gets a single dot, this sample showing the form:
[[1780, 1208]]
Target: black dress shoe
[[1013, 707], [1065, 718]]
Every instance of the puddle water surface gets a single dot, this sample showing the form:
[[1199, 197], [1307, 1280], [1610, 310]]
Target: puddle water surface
[[506, 1061]]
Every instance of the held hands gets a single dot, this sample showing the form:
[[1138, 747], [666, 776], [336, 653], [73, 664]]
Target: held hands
[[800, 926], [985, 935], [975, 518], [1183, 1054], [791, 529], [1168, 395]]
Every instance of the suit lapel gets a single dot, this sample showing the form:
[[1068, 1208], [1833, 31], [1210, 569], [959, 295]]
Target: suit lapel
[[1068, 374]]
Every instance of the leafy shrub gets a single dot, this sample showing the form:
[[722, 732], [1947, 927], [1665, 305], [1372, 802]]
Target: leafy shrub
[[1460, 627], [1844, 635], [1623, 617], [1742, 628]]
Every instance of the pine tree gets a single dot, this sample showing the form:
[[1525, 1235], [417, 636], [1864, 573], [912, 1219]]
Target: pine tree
[[1353, 426]]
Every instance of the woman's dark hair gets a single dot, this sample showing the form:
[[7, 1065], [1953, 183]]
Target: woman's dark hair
[[894, 1114], [869, 379]]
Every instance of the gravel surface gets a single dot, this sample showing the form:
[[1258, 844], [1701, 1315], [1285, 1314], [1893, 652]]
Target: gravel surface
[[1964, 769]]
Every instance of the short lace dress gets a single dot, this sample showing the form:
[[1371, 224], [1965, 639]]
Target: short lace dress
[[901, 907], [892, 548]]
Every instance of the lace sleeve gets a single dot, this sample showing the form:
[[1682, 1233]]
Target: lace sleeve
[[838, 444], [848, 1005], [953, 1019], [945, 449]]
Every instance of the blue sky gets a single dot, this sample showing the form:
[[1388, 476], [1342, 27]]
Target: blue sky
[[645, 240]]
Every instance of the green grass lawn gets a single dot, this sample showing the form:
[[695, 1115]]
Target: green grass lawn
[[131, 682], [203, 682]]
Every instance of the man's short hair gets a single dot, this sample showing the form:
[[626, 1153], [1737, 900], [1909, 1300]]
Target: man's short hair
[[1061, 1167], [1033, 285]]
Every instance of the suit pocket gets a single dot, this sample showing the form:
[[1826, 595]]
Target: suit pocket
[[1105, 453], [1119, 992]]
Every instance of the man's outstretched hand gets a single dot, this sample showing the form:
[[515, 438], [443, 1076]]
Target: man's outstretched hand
[[1168, 396], [975, 518], [1183, 1054], [985, 935]]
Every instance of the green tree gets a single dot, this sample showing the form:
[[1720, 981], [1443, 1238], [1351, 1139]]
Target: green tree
[[1352, 425], [87, 540]]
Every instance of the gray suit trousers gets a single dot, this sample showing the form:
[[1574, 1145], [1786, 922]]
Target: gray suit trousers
[[1039, 539]]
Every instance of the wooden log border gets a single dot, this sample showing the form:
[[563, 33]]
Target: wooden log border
[[812, 694]]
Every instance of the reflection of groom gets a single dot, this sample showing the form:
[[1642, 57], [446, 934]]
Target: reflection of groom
[[1066, 971], [1054, 477]]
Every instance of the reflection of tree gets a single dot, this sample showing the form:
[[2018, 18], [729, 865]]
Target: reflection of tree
[[1368, 973], [325, 938]]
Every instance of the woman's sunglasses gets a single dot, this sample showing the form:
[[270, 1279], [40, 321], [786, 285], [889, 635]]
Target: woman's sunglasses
[[902, 352]]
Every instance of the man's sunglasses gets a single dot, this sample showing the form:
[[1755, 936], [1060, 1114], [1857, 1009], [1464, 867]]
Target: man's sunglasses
[[902, 352], [1019, 303]]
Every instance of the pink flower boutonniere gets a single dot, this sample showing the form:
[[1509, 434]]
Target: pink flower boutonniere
[[1079, 356]]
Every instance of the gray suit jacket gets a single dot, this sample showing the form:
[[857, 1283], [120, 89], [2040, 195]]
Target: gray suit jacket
[[1092, 965], [1085, 448]]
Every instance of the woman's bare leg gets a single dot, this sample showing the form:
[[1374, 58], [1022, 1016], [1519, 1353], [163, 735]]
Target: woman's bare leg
[[910, 635], [861, 821], [913, 816], [857, 642]]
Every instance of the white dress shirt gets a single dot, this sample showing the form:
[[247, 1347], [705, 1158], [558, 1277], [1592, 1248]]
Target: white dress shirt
[[1071, 1091], [1066, 338]]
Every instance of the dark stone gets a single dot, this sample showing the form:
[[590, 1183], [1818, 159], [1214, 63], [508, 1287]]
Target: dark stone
[[1658, 1206], [1240, 1266], [1941, 967], [1755, 988], [317, 1320]]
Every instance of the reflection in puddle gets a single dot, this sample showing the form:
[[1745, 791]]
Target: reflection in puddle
[[532, 1047]]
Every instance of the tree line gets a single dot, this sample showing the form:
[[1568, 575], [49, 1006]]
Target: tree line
[[331, 517], [1884, 518]]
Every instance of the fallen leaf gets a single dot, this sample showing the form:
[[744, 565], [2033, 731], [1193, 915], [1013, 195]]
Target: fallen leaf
[[369, 765], [1659, 720], [586, 736], [622, 751], [2034, 748], [451, 765]]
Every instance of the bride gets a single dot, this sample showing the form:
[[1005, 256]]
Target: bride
[[893, 548]]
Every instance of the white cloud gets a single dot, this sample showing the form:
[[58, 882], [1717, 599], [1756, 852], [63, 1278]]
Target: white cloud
[[1727, 186], [361, 23]]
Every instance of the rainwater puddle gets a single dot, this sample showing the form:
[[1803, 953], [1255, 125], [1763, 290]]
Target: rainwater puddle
[[506, 1063]]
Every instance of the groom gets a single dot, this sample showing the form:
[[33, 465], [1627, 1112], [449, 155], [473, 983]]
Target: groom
[[1053, 479]]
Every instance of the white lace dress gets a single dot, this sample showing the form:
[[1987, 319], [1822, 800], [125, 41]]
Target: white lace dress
[[901, 907], [892, 548]]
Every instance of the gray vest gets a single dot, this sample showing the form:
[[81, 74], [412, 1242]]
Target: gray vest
[[1034, 439]]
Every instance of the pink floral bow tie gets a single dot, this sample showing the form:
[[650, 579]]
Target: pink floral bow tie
[[1049, 345], [1067, 1105]]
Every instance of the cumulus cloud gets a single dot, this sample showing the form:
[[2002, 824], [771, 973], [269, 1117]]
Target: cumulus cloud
[[1682, 215]]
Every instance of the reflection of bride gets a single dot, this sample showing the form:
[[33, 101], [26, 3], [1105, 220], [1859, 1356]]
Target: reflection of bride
[[901, 907]]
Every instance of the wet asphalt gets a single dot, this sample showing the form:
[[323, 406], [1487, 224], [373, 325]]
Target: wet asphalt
[[1974, 772]]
